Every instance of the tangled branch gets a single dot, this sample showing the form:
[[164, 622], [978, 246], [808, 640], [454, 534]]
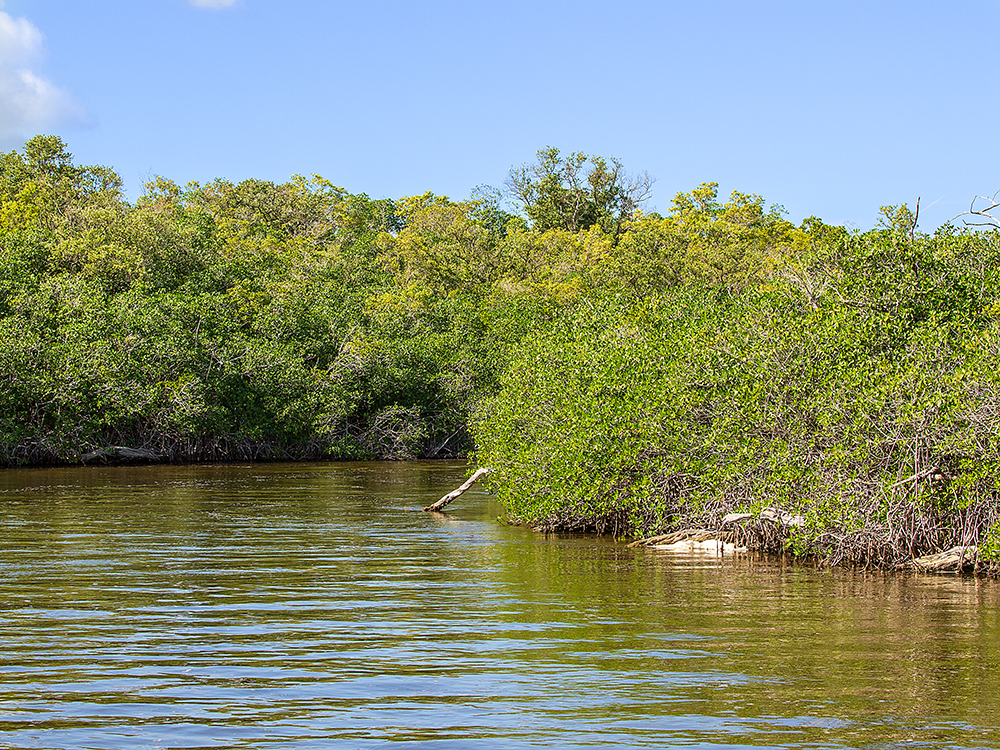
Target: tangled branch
[[986, 218]]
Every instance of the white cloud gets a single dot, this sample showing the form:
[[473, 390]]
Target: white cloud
[[20, 41], [212, 3], [28, 102]]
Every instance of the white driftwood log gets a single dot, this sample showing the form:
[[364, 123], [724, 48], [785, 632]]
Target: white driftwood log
[[782, 517], [455, 493], [956, 558], [777, 515], [692, 540]]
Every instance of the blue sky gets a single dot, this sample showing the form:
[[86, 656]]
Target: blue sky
[[828, 108]]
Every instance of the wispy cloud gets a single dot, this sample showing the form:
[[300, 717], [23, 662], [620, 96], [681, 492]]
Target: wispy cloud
[[20, 41], [212, 3], [29, 103]]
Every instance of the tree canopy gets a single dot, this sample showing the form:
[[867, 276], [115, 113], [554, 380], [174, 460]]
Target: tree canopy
[[577, 191], [618, 370]]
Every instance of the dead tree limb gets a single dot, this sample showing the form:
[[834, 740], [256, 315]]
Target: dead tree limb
[[984, 214], [455, 493], [916, 477]]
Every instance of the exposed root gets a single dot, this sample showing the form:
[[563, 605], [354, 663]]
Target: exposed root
[[770, 531], [121, 454]]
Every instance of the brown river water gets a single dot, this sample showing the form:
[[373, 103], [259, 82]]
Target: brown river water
[[315, 606]]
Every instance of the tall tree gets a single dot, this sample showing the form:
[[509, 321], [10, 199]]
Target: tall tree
[[577, 191]]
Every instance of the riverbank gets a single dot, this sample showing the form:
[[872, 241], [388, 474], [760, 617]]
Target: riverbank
[[359, 444], [627, 373], [869, 413]]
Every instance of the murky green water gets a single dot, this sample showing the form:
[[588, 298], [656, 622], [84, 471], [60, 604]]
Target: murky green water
[[314, 606]]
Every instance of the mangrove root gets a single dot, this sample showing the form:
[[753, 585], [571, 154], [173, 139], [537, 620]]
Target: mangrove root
[[455, 493], [121, 453]]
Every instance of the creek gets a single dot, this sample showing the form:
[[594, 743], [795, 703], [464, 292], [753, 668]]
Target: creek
[[316, 606]]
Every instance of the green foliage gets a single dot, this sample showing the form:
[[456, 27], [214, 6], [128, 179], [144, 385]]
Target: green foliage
[[731, 246], [577, 192], [622, 372], [871, 410], [231, 320]]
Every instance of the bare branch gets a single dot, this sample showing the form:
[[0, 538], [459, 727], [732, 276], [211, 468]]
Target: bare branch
[[988, 219]]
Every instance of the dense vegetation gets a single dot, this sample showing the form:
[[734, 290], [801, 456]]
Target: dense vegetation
[[848, 379], [247, 320], [619, 371]]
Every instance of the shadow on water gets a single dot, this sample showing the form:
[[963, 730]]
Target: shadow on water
[[314, 605]]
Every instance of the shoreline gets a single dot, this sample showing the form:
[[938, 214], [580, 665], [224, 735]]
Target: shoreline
[[957, 560], [769, 532]]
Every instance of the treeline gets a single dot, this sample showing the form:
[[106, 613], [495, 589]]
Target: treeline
[[619, 370], [268, 321], [847, 381]]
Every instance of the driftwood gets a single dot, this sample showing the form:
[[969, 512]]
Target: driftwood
[[727, 539], [684, 535], [776, 515], [780, 517], [720, 542], [956, 558], [455, 493], [121, 453]]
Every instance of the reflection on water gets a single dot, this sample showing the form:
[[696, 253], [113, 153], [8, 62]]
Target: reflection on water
[[295, 606]]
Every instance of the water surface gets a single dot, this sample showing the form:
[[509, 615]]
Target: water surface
[[315, 606]]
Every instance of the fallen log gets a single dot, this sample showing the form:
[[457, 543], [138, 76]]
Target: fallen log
[[782, 517], [455, 493], [692, 540], [777, 515], [956, 558], [684, 535]]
